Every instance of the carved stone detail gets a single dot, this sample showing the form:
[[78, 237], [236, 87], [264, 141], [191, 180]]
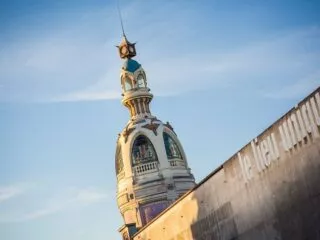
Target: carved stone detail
[[126, 133], [153, 127], [168, 125]]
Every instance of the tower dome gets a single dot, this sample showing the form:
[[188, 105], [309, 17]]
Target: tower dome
[[151, 165], [130, 65]]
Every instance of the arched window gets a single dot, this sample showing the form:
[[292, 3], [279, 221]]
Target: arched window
[[141, 81], [143, 151], [171, 146], [119, 161], [127, 84]]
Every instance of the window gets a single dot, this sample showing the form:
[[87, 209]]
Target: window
[[119, 161], [141, 81], [127, 84], [143, 151], [172, 148]]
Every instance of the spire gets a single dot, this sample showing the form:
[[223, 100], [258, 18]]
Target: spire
[[126, 49], [120, 16]]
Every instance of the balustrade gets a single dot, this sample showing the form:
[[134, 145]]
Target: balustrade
[[177, 163], [146, 168]]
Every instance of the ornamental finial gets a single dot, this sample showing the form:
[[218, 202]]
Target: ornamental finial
[[126, 48]]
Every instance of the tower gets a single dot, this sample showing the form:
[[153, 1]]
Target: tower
[[151, 166]]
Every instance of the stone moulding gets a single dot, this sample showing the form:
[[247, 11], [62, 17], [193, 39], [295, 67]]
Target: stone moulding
[[153, 127], [126, 133], [168, 125]]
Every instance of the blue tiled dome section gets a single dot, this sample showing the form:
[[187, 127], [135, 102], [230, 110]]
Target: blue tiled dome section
[[130, 65]]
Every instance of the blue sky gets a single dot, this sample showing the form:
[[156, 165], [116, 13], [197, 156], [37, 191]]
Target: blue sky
[[221, 71]]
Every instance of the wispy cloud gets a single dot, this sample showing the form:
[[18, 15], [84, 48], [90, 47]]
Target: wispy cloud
[[297, 89], [97, 91], [82, 65], [90, 196], [71, 199], [11, 191], [281, 57], [86, 96], [75, 198]]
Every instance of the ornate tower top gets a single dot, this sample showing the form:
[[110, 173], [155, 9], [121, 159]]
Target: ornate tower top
[[136, 94]]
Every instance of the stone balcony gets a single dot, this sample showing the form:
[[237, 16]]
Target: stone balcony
[[146, 168]]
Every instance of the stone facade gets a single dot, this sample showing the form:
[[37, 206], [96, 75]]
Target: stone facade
[[146, 189], [270, 189]]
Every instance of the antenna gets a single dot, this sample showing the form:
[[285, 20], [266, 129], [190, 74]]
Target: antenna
[[120, 16]]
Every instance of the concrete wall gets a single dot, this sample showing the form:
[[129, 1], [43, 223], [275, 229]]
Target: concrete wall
[[270, 189]]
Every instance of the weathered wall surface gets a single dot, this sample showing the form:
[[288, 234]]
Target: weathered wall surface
[[270, 189]]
